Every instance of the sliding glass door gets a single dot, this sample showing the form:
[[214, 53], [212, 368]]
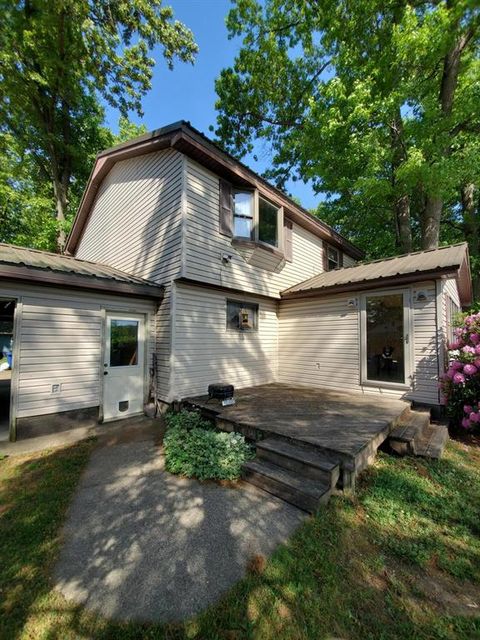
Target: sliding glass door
[[386, 338]]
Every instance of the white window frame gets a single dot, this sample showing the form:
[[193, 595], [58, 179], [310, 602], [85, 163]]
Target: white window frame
[[337, 251], [256, 219], [408, 342]]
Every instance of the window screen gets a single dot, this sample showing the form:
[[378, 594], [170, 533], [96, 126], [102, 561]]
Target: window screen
[[242, 316], [267, 222]]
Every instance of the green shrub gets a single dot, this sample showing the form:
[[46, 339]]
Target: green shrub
[[194, 448]]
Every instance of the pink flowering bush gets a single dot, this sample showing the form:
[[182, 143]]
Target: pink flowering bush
[[460, 384]]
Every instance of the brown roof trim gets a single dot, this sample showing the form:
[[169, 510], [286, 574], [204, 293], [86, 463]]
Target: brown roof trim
[[185, 139], [32, 275], [377, 283]]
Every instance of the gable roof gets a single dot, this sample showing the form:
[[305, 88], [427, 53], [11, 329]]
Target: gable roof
[[411, 267], [42, 267], [188, 140]]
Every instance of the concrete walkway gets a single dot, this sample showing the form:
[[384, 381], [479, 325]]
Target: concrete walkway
[[71, 436], [141, 544]]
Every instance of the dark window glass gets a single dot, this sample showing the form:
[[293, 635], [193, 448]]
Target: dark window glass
[[267, 222], [242, 316], [123, 343], [243, 214], [333, 258], [385, 338]]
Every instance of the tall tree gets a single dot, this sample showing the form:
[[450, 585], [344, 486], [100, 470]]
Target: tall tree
[[58, 58], [375, 102]]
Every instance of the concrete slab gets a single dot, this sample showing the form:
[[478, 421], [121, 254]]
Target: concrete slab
[[137, 427], [142, 544]]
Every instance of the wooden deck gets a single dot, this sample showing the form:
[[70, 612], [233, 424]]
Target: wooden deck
[[346, 427]]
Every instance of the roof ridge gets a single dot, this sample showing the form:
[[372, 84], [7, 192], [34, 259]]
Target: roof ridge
[[60, 255], [113, 270], [314, 280], [363, 263]]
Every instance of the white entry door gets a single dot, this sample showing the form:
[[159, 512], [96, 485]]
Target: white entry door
[[123, 369]]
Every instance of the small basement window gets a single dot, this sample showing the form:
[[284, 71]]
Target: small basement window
[[242, 316]]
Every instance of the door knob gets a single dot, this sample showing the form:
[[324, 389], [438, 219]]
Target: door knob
[[105, 373]]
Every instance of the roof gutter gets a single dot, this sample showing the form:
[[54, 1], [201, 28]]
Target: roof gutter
[[364, 285], [30, 275]]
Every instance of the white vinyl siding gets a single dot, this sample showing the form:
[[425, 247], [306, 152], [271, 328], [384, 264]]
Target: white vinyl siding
[[61, 342], [205, 351], [319, 346], [205, 245], [348, 261], [450, 305], [426, 346], [136, 225]]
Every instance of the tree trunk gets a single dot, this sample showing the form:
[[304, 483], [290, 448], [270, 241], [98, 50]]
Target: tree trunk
[[402, 213], [471, 227], [402, 200], [431, 222], [60, 193], [448, 86]]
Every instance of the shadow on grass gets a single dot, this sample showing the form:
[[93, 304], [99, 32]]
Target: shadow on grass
[[341, 574]]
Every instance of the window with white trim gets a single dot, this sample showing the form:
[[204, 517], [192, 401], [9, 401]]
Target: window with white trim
[[243, 214], [333, 258], [268, 218], [254, 218]]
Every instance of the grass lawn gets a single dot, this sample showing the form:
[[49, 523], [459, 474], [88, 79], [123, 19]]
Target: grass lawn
[[401, 561]]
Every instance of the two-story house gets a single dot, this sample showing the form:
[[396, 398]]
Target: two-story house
[[185, 268]]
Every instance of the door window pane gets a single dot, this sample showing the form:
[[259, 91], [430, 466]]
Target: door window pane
[[123, 343], [267, 222], [385, 338]]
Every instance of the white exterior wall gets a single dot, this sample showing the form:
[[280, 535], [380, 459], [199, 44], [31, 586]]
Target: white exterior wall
[[136, 225], [205, 245], [449, 295], [319, 345], [205, 351], [61, 342]]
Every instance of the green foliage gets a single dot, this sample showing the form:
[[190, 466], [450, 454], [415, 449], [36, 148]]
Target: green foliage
[[57, 60], [356, 101], [461, 382], [196, 450]]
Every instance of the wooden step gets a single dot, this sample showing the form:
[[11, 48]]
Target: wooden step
[[297, 458], [410, 429], [433, 441], [302, 492]]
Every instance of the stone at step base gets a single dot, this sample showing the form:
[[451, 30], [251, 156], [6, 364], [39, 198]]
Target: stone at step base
[[433, 441], [298, 490], [408, 432]]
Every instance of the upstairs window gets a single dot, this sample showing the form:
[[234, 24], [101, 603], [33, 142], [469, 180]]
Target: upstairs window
[[333, 258], [268, 215], [243, 214]]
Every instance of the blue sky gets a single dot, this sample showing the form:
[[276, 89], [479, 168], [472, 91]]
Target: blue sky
[[188, 92]]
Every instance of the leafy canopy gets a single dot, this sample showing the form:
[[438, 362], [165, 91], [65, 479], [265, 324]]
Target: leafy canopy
[[365, 100], [57, 60]]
